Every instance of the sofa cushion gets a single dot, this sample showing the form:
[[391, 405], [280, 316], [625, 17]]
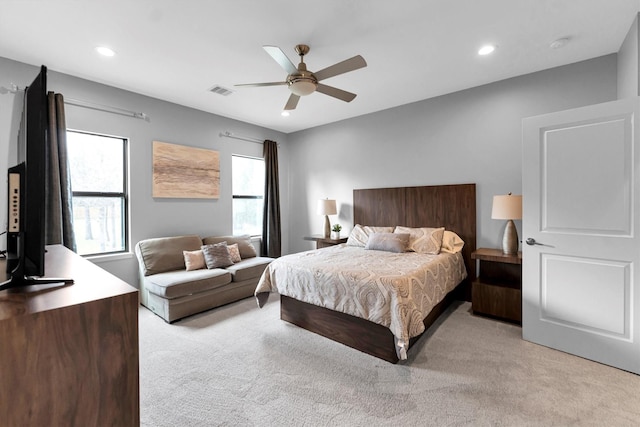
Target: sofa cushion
[[165, 253], [251, 268], [244, 244], [175, 284]]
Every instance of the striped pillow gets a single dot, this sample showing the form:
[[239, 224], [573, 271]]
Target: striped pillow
[[217, 255]]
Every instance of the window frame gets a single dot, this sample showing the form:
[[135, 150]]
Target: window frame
[[124, 195], [246, 196]]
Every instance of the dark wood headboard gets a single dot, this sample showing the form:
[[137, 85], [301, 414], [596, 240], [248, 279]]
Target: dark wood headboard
[[449, 206]]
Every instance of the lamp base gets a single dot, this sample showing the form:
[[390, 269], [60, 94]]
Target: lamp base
[[510, 239], [327, 227]]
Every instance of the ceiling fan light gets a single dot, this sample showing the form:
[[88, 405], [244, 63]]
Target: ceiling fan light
[[487, 49], [302, 87]]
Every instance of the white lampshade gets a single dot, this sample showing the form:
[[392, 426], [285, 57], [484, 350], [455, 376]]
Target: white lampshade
[[327, 207], [507, 206]]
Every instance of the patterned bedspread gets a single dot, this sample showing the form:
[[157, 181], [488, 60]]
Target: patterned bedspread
[[396, 290]]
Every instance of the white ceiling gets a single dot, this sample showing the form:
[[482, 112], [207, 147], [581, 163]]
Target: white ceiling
[[415, 49]]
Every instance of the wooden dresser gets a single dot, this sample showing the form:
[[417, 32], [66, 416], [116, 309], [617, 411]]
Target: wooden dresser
[[69, 355]]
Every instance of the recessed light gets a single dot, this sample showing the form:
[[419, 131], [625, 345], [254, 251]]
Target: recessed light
[[486, 49], [105, 51], [285, 114]]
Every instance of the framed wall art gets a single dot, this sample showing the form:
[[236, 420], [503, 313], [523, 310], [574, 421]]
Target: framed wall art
[[185, 172]]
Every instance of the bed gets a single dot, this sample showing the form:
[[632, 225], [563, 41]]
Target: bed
[[319, 300]]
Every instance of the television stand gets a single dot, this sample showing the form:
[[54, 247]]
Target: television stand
[[69, 355]]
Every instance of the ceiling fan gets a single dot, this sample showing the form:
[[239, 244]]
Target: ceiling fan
[[302, 82]]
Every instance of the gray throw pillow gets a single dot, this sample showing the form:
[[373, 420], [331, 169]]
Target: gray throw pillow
[[244, 244], [217, 255], [389, 242]]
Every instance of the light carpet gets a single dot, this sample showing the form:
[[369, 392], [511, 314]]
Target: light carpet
[[239, 365]]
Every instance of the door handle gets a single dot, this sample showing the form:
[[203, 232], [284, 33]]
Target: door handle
[[531, 241]]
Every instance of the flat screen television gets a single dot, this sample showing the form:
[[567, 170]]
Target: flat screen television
[[27, 194]]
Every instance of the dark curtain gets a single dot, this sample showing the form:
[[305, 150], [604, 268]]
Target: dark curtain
[[59, 219], [271, 233]]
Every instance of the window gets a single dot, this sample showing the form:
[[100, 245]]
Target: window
[[248, 195], [98, 168]]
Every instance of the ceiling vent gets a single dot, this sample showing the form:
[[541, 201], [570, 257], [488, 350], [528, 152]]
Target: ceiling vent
[[221, 90]]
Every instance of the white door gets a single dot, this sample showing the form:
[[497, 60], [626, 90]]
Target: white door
[[581, 210]]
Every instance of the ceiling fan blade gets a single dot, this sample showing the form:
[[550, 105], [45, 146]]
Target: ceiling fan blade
[[335, 92], [341, 67], [292, 102], [282, 59], [263, 84]]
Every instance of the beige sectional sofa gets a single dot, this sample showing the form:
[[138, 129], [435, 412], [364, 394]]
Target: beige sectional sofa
[[172, 292]]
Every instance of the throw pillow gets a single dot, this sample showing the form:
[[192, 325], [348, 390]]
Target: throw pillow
[[234, 252], [423, 240], [194, 260], [451, 242], [360, 234], [389, 242], [217, 255], [246, 248]]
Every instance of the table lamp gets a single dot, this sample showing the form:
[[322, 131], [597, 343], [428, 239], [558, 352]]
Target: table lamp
[[508, 207], [327, 207]]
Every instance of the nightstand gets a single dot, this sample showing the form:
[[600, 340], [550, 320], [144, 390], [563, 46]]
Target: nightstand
[[497, 292], [323, 242]]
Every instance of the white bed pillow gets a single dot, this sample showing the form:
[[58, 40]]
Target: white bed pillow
[[359, 236], [423, 240], [451, 242]]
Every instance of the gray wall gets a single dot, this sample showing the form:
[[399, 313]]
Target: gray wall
[[468, 136], [628, 67], [169, 123], [472, 136]]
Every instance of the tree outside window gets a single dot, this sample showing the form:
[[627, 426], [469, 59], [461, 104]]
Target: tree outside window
[[98, 168]]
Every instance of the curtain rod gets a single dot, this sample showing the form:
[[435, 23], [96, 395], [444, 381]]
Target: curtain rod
[[227, 134], [107, 109], [86, 104], [14, 89]]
